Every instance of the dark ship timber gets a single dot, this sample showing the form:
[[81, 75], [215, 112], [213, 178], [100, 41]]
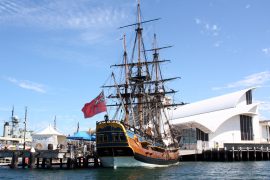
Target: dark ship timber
[[120, 146], [143, 135]]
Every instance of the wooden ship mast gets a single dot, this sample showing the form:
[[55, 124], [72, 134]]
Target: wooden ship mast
[[142, 94]]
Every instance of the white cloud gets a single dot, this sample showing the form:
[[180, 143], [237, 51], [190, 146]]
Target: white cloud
[[208, 28], [266, 51], [29, 85], [257, 79], [83, 17], [247, 6], [91, 38], [79, 14], [265, 106], [197, 21], [218, 43]]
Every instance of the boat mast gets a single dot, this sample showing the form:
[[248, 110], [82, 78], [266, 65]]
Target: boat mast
[[24, 132], [139, 66], [126, 121], [13, 122], [155, 59], [157, 105]]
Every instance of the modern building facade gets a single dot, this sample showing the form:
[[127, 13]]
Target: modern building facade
[[230, 118]]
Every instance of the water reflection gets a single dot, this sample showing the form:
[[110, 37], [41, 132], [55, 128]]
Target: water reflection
[[185, 170]]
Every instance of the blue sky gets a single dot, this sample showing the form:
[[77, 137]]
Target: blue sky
[[55, 55]]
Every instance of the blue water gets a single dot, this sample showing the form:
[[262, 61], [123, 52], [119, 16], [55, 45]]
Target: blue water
[[185, 170]]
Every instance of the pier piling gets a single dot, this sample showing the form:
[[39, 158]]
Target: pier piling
[[254, 153], [261, 153], [14, 162], [233, 153], [49, 159], [31, 161], [267, 150]]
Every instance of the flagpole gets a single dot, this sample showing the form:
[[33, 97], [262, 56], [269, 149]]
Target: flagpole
[[105, 104]]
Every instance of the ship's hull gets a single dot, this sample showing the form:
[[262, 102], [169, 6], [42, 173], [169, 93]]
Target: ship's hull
[[129, 161], [120, 147]]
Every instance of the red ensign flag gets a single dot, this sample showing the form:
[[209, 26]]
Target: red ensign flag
[[96, 106]]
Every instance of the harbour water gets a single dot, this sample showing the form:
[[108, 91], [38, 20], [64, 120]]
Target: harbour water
[[185, 170]]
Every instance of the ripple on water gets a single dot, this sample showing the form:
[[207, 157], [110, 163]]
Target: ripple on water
[[185, 170]]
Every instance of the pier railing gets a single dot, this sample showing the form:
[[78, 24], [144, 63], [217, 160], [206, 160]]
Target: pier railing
[[245, 146]]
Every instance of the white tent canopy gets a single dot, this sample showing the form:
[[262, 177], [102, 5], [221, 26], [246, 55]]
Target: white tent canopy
[[48, 137], [49, 131]]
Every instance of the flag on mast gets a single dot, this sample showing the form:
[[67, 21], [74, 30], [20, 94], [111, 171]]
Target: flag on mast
[[94, 107]]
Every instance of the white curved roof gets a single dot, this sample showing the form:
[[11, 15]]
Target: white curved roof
[[49, 131], [209, 105], [209, 122], [209, 114]]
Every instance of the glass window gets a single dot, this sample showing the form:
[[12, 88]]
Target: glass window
[[249, 97], [246, 128], [201, 135]]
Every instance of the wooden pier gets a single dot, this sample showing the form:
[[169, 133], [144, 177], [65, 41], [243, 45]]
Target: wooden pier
[[49, 159], [232, 152]]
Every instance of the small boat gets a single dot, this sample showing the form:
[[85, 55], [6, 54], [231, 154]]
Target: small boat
[[139, 133]]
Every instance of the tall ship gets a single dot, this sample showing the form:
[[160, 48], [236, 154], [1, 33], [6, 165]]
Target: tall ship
[[139, 132]]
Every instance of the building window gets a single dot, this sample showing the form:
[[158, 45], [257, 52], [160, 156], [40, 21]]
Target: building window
[[189, 136], [249, 97], [268, 134], [201, 135], [246, 128]]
